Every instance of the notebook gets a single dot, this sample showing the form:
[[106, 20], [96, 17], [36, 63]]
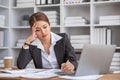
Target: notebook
[[95, 59]]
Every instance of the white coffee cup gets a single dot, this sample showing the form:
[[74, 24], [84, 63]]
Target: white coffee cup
[[8, 62]]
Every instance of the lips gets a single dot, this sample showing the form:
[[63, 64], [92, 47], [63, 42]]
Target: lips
[[44, 35]]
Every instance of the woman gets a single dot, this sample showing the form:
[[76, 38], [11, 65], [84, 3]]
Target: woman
[[47, 49]]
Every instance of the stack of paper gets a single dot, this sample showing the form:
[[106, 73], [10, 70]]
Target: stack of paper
[[20, 42], [25, 3], [75, 21], [115, 64], [112, 19], [2, 20], [78, 41], [2, 38], [74, 1], [53, 17]]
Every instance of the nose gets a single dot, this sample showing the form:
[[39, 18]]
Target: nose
[[43, 31]]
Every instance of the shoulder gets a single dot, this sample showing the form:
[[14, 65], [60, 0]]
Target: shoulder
[[62, 34], [64, 37]]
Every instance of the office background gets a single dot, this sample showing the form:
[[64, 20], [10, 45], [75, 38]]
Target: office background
[[85, 22]]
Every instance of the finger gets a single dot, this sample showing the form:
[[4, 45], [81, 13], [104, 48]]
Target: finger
[[65, 68], [68, 67], [34, 27], [68, 70], [34, 30], [62, 66]]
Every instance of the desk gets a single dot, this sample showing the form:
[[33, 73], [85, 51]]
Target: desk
[[106, 77], [111, 77], [31, 79], [20, 78]]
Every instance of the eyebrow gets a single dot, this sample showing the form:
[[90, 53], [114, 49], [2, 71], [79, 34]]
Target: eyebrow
[[42, 26]]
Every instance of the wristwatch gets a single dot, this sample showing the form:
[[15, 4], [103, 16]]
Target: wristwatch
[[26, 44]]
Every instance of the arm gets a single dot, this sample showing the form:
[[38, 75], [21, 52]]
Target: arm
[[24, 58]]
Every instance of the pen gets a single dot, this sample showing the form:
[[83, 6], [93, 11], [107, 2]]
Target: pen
[[67, 60]]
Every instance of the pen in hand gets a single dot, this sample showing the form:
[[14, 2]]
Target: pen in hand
[[67, 61]]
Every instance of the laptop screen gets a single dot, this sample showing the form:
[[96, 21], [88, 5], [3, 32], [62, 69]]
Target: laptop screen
[[95, 59]]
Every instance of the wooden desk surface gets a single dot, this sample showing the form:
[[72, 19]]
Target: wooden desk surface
[[106, 77], [111, 77], [3, 78]]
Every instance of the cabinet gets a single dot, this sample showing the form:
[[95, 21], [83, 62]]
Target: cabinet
[[90, 10]]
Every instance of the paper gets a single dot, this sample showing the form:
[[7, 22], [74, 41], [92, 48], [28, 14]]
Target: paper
[[44, 74], [116, 71], [31, 73], [89, 77], [23, 71], [9, 75]]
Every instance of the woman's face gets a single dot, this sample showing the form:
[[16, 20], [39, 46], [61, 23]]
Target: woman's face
[[42, 30]]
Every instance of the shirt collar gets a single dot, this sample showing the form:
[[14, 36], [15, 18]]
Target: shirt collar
[[54, 39]]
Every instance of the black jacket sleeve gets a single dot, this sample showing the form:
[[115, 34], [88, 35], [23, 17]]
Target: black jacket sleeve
[[69, 51], [24, 58]]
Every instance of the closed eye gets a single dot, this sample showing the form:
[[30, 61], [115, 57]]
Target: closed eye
[[44, 26], [37, 30]]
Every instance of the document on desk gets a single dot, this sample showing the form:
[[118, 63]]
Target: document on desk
[[31, 73], [116, 71], [89, 77], [44, 74], [23, 71]]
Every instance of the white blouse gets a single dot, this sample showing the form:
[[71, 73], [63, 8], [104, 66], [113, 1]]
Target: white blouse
[[48, 60]]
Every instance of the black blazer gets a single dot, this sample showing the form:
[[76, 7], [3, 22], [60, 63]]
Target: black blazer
[[63, 52]]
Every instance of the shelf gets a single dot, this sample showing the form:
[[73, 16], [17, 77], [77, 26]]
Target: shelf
[[22, 7], [16, 47], [117, 47], [55, 26], [78, 4], [3, 27], [106, 3], [21, 27], [87, 25], [1, 6], [28, 27], [52, 5], [98, 25], [4, 48]]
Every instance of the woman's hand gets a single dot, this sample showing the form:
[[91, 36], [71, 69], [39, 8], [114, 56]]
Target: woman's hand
[[67, 67], [33, 36]]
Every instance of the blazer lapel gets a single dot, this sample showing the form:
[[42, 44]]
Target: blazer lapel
[[59, 53], [37, 58]]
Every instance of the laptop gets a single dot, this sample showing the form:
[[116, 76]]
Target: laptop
[[95, 59]]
